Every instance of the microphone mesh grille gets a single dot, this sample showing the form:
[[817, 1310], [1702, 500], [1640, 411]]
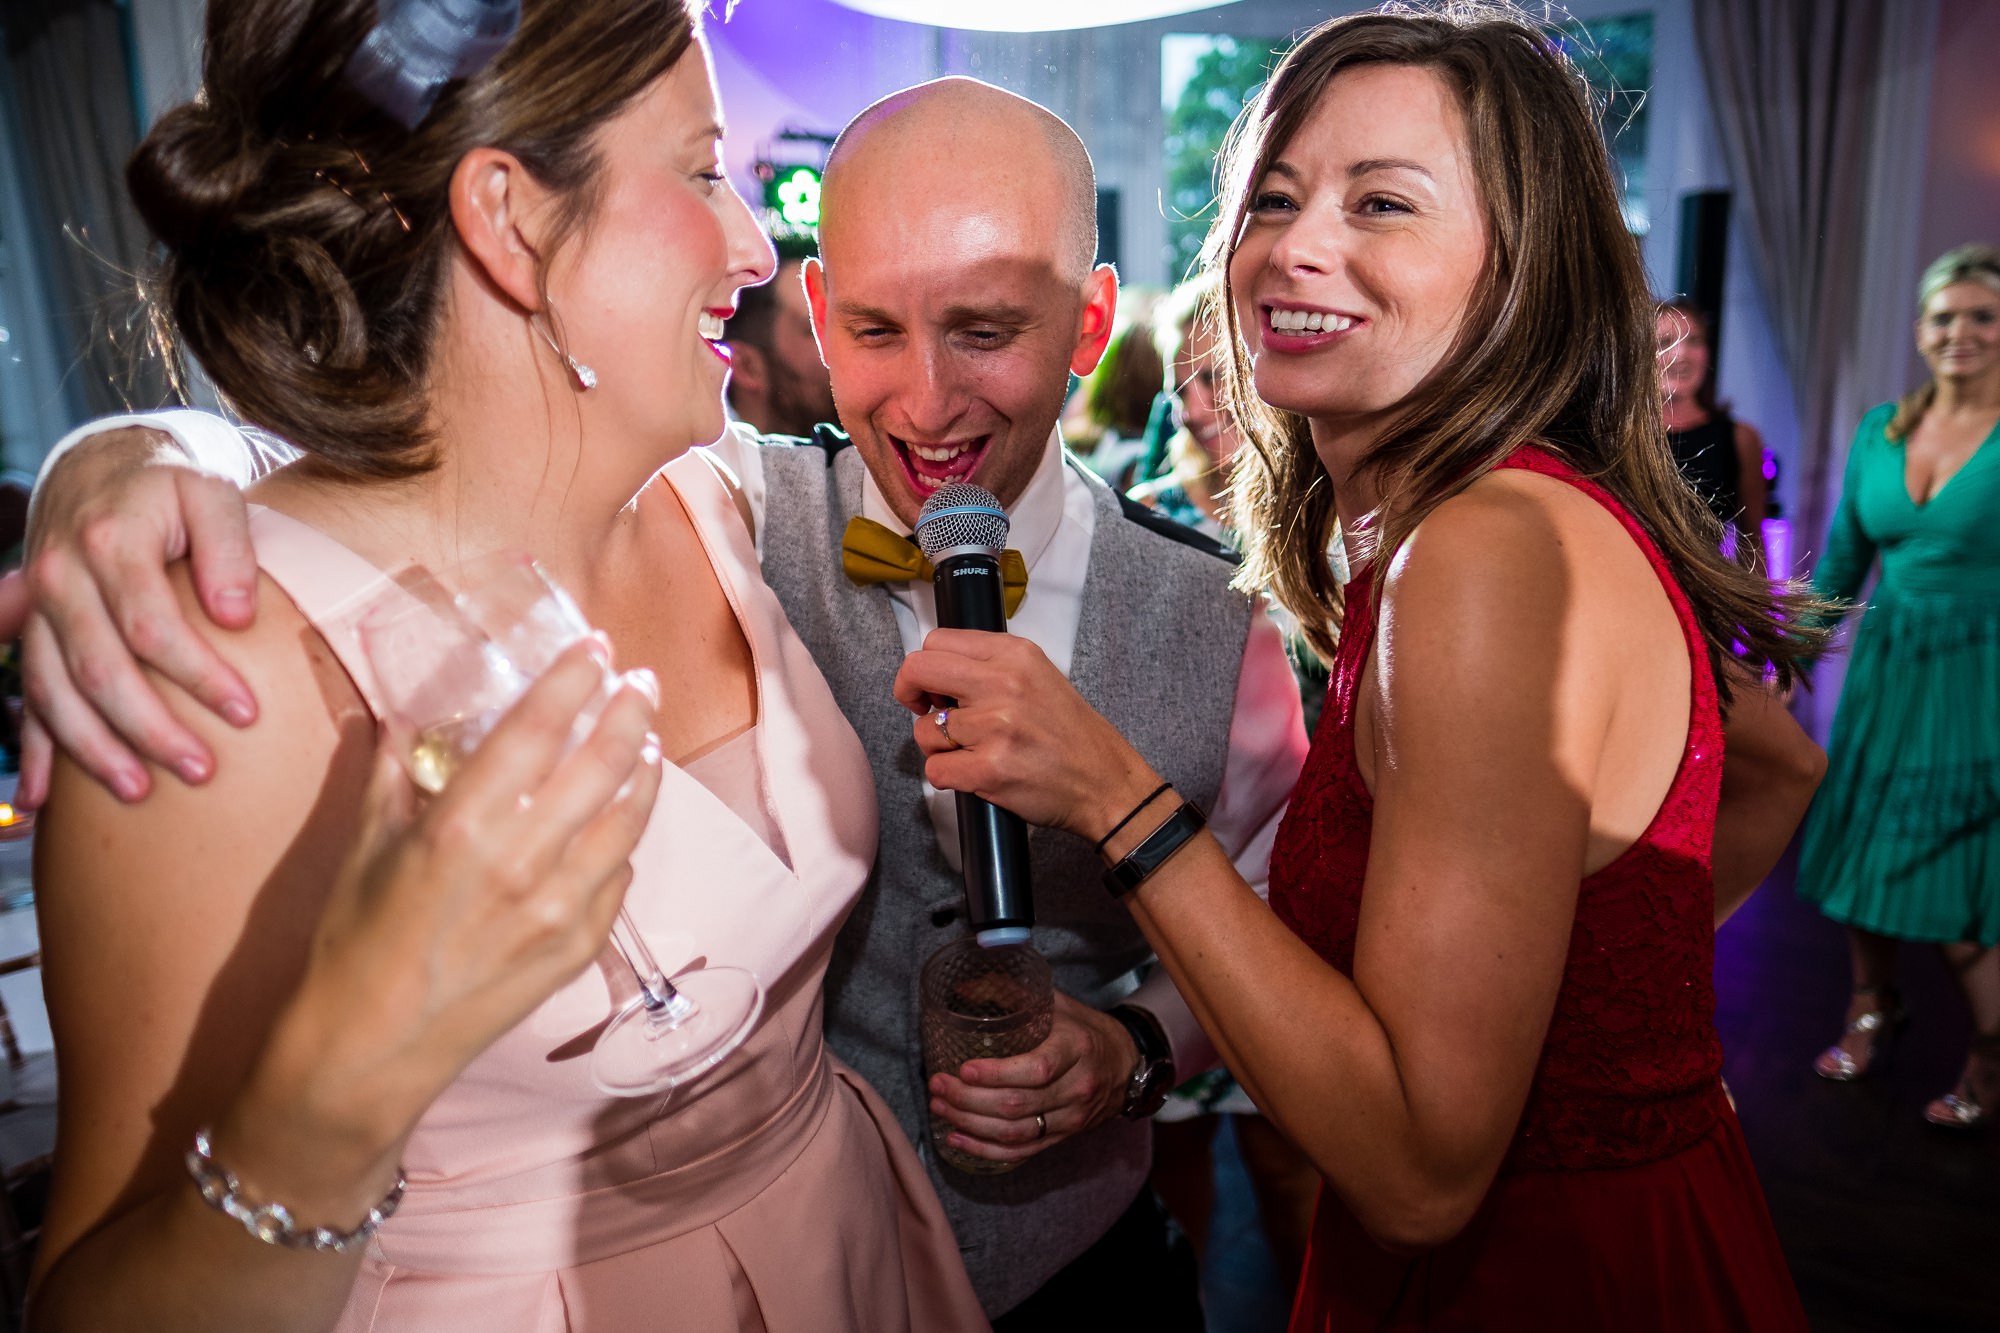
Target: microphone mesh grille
[[959, 514]]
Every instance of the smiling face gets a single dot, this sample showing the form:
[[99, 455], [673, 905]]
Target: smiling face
[[643, 293], [1363, 245], [1197, 369], [1683, 356], [954, 296], [1958, 333]]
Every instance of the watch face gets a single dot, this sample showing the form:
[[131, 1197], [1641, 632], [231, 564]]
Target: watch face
[[1149, 1087], [1153, 1076]]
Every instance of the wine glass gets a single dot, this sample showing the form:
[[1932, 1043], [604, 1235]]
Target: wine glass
[[448, 662]]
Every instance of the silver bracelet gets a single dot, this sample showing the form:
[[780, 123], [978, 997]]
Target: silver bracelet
[[272, 1222]]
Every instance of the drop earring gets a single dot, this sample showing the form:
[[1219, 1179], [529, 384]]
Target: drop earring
[[586, 378]]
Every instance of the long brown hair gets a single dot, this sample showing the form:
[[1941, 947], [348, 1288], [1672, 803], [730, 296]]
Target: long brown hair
[[1557, 348], [1966, 263], [306, 233]]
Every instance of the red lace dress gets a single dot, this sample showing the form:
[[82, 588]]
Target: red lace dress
[[1627, 1200]]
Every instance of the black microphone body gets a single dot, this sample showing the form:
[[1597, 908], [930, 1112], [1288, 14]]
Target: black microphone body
[[992, 842]]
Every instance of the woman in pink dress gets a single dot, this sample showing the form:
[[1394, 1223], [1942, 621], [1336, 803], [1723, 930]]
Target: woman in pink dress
[[1480, 999], [482, 292]]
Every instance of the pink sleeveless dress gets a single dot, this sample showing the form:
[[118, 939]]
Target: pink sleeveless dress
[[777, 1193]]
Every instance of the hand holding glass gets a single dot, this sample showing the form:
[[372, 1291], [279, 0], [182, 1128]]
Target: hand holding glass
[[979, 1003], [448, 664]]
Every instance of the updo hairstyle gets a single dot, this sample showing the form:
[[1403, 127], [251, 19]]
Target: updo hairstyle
[[306, 233]]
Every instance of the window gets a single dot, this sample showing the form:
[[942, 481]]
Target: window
[[1206, 79], [1616, 55]]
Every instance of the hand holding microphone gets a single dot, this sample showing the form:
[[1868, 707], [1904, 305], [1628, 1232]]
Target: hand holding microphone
[[962, 530], [1046, 1067], [1033, 743]]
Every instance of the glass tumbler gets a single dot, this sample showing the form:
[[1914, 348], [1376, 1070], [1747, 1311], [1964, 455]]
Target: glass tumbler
[[980, 1004]]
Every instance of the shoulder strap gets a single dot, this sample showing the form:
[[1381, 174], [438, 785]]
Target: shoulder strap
[[828, 439], [1154, 521], [330, 585]]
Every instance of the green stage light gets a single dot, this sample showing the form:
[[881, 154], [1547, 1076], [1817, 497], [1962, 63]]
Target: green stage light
[[792, 195]]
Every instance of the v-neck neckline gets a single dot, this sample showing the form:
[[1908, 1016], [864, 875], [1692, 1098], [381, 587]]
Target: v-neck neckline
[[334, 616], [1921, 506], [759, 733]]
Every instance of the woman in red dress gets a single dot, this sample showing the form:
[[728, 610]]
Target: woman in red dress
[[1481, 997]]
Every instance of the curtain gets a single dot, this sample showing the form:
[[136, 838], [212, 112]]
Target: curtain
[[73, 93], [1818, 104]]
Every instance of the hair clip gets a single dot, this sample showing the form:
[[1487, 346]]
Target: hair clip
[[323, 174], [418, 46]]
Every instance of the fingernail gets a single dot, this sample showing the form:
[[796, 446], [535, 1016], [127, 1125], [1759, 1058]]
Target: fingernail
[[127, 785], [649, 753], [192, 768], [235, 599], [238, 712], [646, 683], [600, 648]]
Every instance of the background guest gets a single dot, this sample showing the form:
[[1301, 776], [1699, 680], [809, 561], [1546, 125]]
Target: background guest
[[777, 383], [1194, 489], [1115, 402], [1903, 842], [1721, 457], [1194, 493]]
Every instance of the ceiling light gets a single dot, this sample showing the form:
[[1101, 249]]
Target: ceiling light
[[1027, 15]]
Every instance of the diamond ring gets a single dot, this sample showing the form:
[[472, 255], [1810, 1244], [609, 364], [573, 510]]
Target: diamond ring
[[943, 719]]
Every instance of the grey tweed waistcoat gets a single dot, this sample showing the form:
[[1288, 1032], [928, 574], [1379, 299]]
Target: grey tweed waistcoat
[[1158, 648]]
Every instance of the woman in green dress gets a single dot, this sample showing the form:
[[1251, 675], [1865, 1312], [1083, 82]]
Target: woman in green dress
[[1903, 842]]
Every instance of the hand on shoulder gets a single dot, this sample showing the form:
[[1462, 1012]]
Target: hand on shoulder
[[114, 509]]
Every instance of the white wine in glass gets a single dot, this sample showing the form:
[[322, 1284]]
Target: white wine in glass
[[450, 656], [439, 750]]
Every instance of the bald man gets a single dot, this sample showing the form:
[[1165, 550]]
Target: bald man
[[954, 296]]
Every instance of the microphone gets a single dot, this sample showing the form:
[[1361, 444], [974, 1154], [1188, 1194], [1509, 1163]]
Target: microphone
[[962, 530]]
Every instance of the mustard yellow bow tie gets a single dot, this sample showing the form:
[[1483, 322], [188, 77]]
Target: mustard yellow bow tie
[[871, 553]]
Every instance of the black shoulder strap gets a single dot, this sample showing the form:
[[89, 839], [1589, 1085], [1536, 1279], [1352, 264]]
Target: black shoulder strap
[[831, 440], [827, 439], [1154, 521]]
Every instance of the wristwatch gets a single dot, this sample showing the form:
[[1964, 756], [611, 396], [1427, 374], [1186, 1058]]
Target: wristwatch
[[1153, 1076]]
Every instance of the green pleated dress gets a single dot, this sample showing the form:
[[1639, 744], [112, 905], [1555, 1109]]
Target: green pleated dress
[[1903, 838]]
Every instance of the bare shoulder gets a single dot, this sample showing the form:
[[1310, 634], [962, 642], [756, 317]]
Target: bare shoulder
[[200, 899], [1504, 547], [1520, 577], [191, 860]]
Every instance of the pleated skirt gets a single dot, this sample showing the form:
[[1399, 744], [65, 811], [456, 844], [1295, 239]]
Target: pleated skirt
[[1903, 838]]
